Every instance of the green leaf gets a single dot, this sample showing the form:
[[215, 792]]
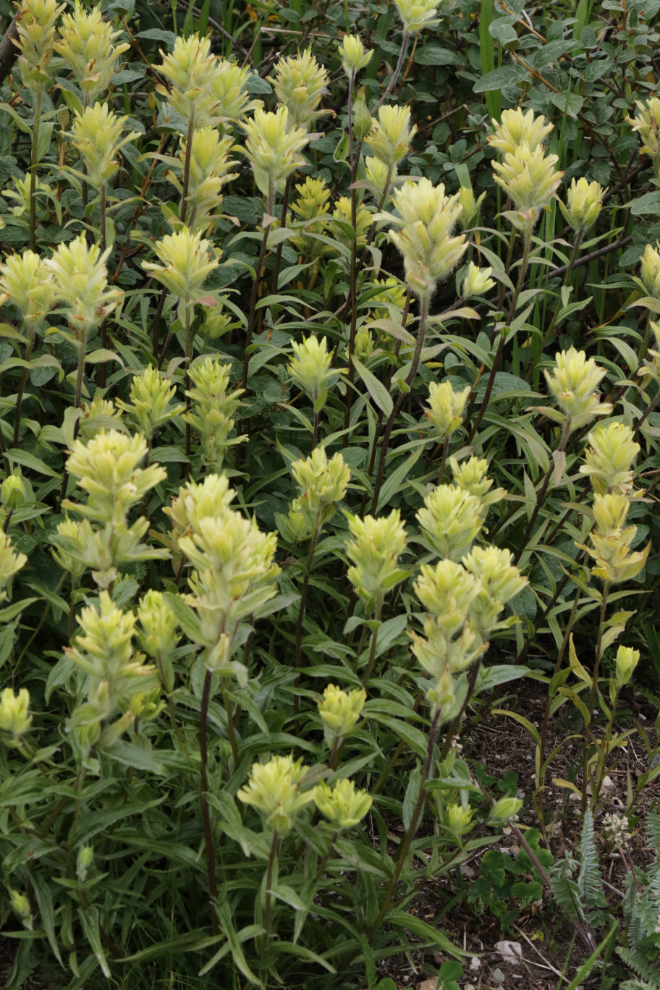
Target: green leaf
[[376, 389], [499, 78], [30, 461], [89, 919]]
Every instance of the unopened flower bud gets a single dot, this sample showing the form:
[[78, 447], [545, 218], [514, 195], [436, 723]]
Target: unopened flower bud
[[274, 789], [505, 809], [626, 661], [353, 54], [21, 908], [446, 408], [14, 712], [340, 712], [84, 862], [477, 282], [469, 206], [13, 491], [458, 818], [157, 625], [343, 805], [650, 271], [584, 201]]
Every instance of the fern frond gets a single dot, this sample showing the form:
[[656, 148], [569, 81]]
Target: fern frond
[[652, 829], [634, 985], [639, 965], [590, 878], [565, 890]]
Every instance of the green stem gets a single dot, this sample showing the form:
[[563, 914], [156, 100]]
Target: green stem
[[21, 387], [188, 359], [421, 336], [33, 169], [378, 606], [301, 609], [81, 333], [404, 848], [204, 786], [186, 168], [498, 356], [592, 696], [278, 253], [231, 732], [255, 286], [269, 881], [540, 498]]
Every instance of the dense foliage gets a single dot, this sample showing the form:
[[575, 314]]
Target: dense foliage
[[329, 375]]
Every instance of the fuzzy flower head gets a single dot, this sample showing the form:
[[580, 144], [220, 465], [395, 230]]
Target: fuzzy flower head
[[229, 84], [343, 805], [311, 203], [273, 146], [390, 136], [611, 540], [446, 590], [379, 174], [26, 282], [610, 458], [517, 129], [185, 263], [427, 220], [96, 133], [299, 83], [650, 271], [647, 123], [35, 23], [529, 178], [81, 278], [477, 282], [10, 563], [374, 552], [20, 905], [446, 408], [340, 710], [310, 368], [353, 55], [191, 69], [584, 201], [458, 818], [574, 383], [322, 484], [209, 167], [274, 789], [13, 491], [626, 661], [471, 476], [469, 205], [150, 405], [363, 221], [214, 405], [70, 530], [109, 469], [451, 520], [15, 716], [157, 625], [499, 580], [86, 45], [418, 14]]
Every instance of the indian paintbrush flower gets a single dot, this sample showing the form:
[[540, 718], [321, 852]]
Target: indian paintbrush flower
[[310, 368], [209, 167], [26, 282], [611, 540], [35, 24], [477, 282], [646, 122], [517, 129], [229, 83], [450, 519], [469, 205], [363, 221], [10, 563], [374, 552], [70, 530], [610, 458], [418, 14], [584, 201], [274, 789], [87, 46], [573, 383], [192, 70], [15, 717], [650, 271], [20, 905], [458, 818], [353, 54], [529, 178], [273, 146], [626, 661], [81, 279], [504, 810], [13, 491], [157, 629], [446, 408], [499, 580], [322, 484], [427, 220], [213, 407], [340, 711], [96, 133], [151, 395], [343, 805], [390, 136], [185, 264], [299, 83]]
